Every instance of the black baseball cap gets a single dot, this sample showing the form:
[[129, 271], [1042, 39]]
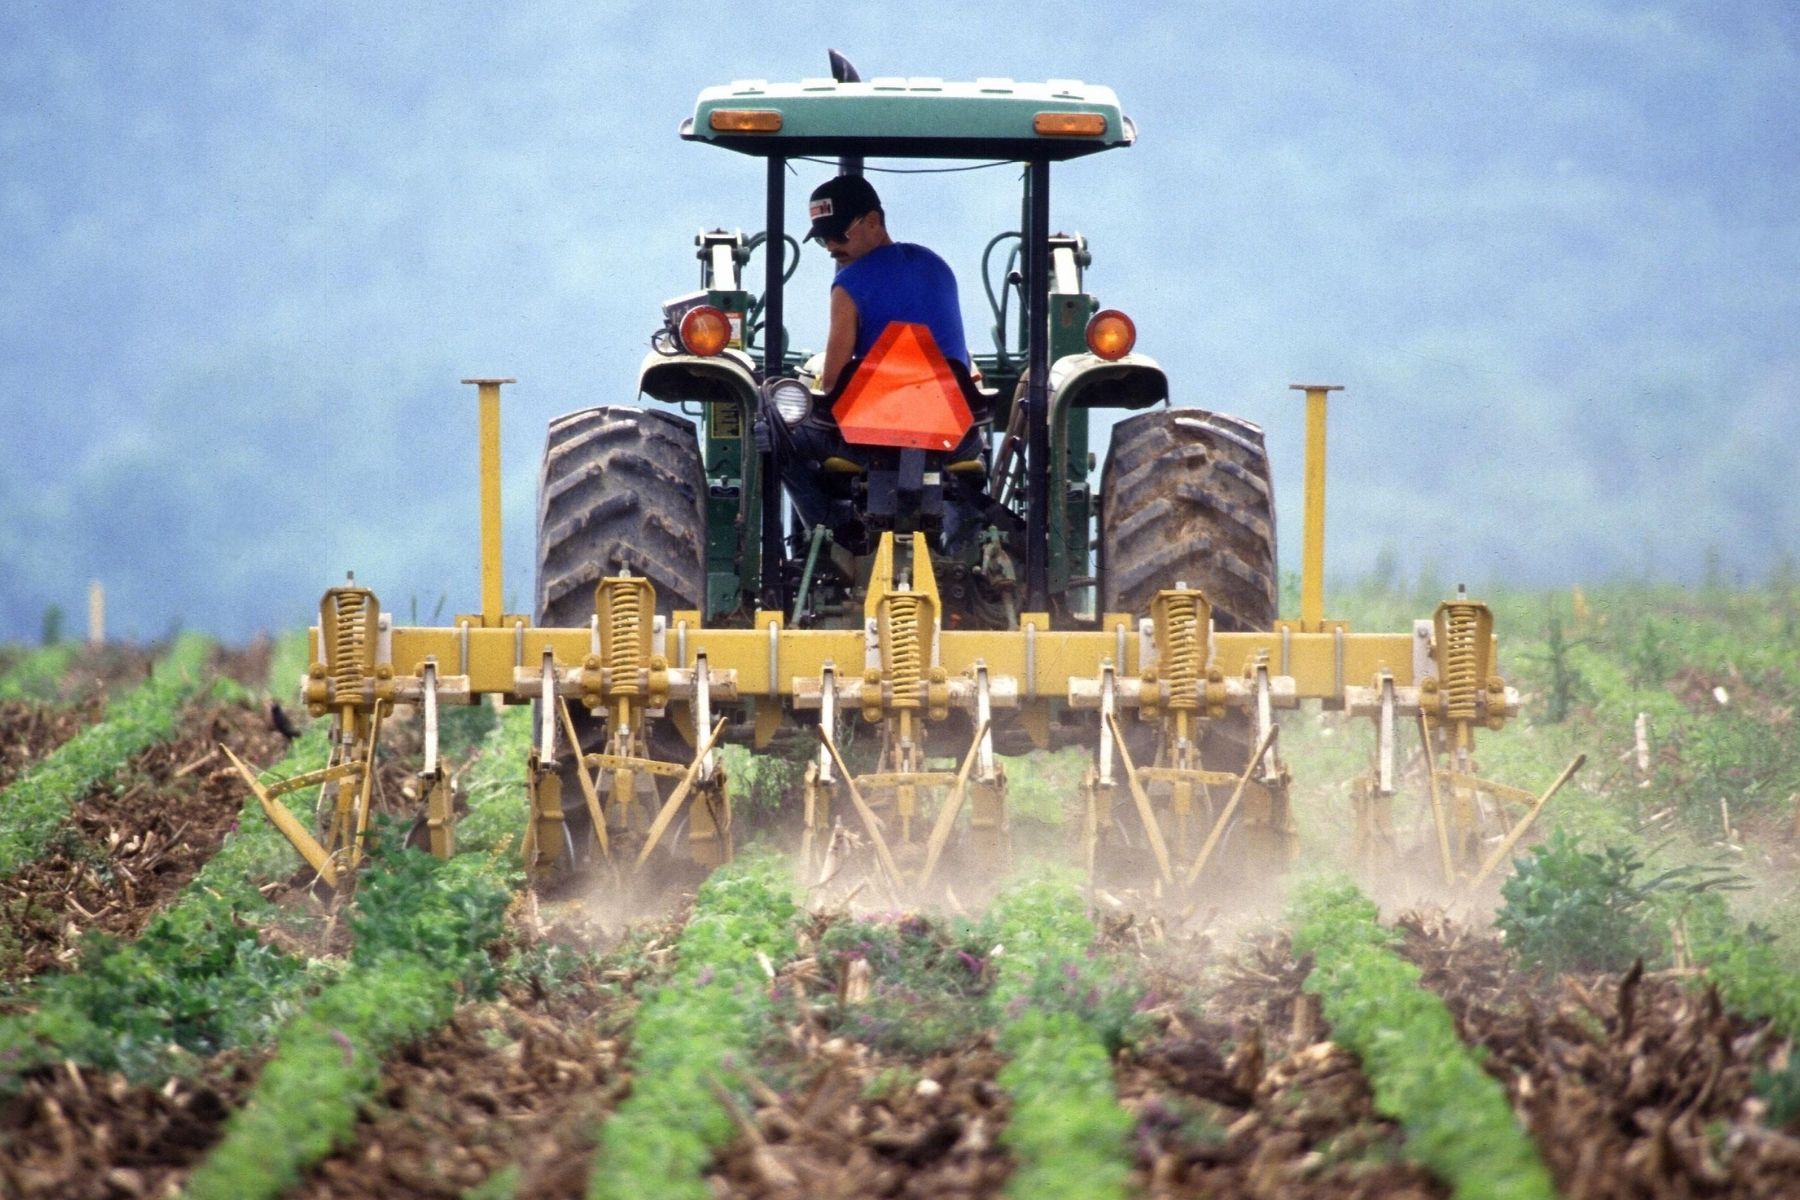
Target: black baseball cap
[[837, 202]]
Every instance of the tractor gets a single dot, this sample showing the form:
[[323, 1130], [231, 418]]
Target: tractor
[[681, 603]]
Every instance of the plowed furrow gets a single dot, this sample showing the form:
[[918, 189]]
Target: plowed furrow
[[132, 842], [516, 1085], [30, 730], [1634, 1086], [76, 1133], [1250, 1098]]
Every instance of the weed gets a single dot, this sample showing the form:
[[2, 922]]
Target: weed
[[891, 1083], [926, 982], [1566, 908], [760, 782], [1780, 1090]]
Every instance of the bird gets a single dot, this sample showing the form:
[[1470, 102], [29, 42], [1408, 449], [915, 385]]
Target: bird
[[279, 719]]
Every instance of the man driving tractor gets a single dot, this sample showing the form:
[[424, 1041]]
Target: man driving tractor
[[878, 282], [878, 279]]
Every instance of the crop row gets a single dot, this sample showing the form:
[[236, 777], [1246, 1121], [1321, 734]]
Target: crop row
[[421, 931], [1457, 1119], [38, 672], [1061, 1013], [695, 1035], [197, 980], [37, 803]]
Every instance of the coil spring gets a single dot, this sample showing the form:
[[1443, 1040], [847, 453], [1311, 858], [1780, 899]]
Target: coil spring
[[349, 637], [905, 656], [1460, 682], [1182, 655], [624, 615]]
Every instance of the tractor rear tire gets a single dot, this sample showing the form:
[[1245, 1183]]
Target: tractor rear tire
[[622, 490], [1185, 497]]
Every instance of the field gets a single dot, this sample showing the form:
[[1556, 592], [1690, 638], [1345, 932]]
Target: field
[[179, 1015]]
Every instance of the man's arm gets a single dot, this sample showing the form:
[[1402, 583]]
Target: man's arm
[[840, 341]]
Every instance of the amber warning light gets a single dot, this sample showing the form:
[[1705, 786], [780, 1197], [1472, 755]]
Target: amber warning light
[[705, 330], [1068, 124], [745, 120], [1110, 334]]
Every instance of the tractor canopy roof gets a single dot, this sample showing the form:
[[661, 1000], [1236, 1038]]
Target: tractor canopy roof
[[912, 118]]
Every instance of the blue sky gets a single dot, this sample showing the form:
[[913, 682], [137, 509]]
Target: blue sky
[[1550, 249]]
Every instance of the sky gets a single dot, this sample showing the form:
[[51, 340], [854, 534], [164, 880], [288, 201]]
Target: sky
[[1550, 250]]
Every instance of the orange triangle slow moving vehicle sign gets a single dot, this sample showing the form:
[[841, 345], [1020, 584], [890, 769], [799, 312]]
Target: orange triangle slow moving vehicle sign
[[903, 395]]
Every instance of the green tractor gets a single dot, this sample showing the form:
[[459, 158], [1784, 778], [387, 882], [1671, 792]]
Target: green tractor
[[693, 503], [685, 492]]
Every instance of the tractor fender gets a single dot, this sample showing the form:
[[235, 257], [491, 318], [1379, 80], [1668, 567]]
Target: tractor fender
[[674, 378], [1089, 381]]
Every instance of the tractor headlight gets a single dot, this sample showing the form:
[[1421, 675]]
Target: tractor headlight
[[791, 399]]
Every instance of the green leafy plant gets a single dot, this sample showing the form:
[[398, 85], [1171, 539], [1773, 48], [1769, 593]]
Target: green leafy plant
[[1044, 785], [1457, 1119], [1566, 687], [37, 673], [197, 980], [761, 782], [927, 982], [694, 1036], [422, 930], [1566, 908], [1059, 1009]]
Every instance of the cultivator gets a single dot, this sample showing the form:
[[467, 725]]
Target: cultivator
[[681, 604], [1167, 672]]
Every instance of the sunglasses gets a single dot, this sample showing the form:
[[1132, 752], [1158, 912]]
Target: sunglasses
[[844, 234]]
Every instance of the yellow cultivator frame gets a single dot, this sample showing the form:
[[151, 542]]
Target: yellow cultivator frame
[[905, 674]]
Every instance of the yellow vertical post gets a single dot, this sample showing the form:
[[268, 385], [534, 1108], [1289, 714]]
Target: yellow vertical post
[[1312, 562], [96, 613], [488, 393]]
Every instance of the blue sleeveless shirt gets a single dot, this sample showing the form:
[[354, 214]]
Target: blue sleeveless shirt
[[903, 281]]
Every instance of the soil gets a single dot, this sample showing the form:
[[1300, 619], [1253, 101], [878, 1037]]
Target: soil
[[30, 730], [1634, 1086], [73, 1133], [524, 1082], [1246, 1097], [100, 672], [134, 841]]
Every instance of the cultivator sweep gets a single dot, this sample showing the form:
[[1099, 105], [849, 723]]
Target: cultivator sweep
[[680, 604]]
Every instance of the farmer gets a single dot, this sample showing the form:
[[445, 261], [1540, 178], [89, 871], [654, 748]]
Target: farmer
[[878, 279]]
